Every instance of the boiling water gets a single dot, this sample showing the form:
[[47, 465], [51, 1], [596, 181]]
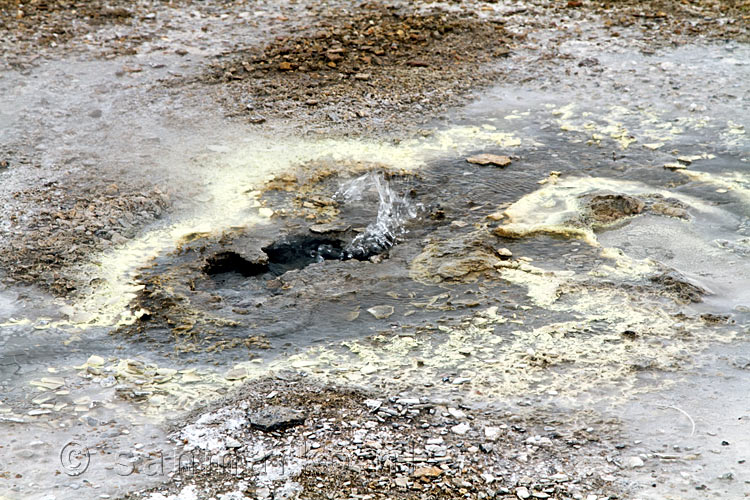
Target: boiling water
[[394, 211]]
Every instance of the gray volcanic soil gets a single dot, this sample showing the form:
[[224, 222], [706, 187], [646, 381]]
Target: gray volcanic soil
[[168, 168]]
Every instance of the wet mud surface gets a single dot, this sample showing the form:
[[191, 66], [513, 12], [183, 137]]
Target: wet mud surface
[[235, 229]]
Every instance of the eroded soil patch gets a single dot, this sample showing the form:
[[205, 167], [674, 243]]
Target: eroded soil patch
[[48, 239], [717, 19], [369, 63]]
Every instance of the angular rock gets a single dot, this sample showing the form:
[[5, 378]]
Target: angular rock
[[523, 493], [460, 429], [381, 312], [275, 418], [675, 166], [491, 433], [489, 159], [329, 228], [504, 253], [373, 404], [236, 374], [635, 462], [427, 472], [232, 443], [456, 413]]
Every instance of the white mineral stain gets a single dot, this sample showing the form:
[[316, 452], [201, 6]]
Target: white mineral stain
[[736, 183], [613, 336]]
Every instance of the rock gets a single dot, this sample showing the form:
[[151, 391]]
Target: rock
[[635, 462], [687, 160], [368, 369], [373, 404], [118, 239], [489, 159], [275, 418], [678, 285], [408, 401], [675, 166], [401, 482], [362, 76], [285, 66], [670, 210], [232, 443], [417, 63], [491, 433], [36, 413], [236, 374], [523, 493], [329, 228], [456, 413], [95, 360], [427, 472], [504, 253], [460, 429], [541, 441], [381, 312], [50, 383]]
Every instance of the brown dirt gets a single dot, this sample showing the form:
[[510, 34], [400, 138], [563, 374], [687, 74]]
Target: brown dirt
[[49, 23], [362, 66], [715, 19]]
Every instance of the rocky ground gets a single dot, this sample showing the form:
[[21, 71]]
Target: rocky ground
[[286, 437]]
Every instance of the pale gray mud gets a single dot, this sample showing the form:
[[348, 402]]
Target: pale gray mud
[[250, 250]]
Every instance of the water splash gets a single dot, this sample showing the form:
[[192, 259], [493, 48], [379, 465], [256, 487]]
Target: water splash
[[394, 210]]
